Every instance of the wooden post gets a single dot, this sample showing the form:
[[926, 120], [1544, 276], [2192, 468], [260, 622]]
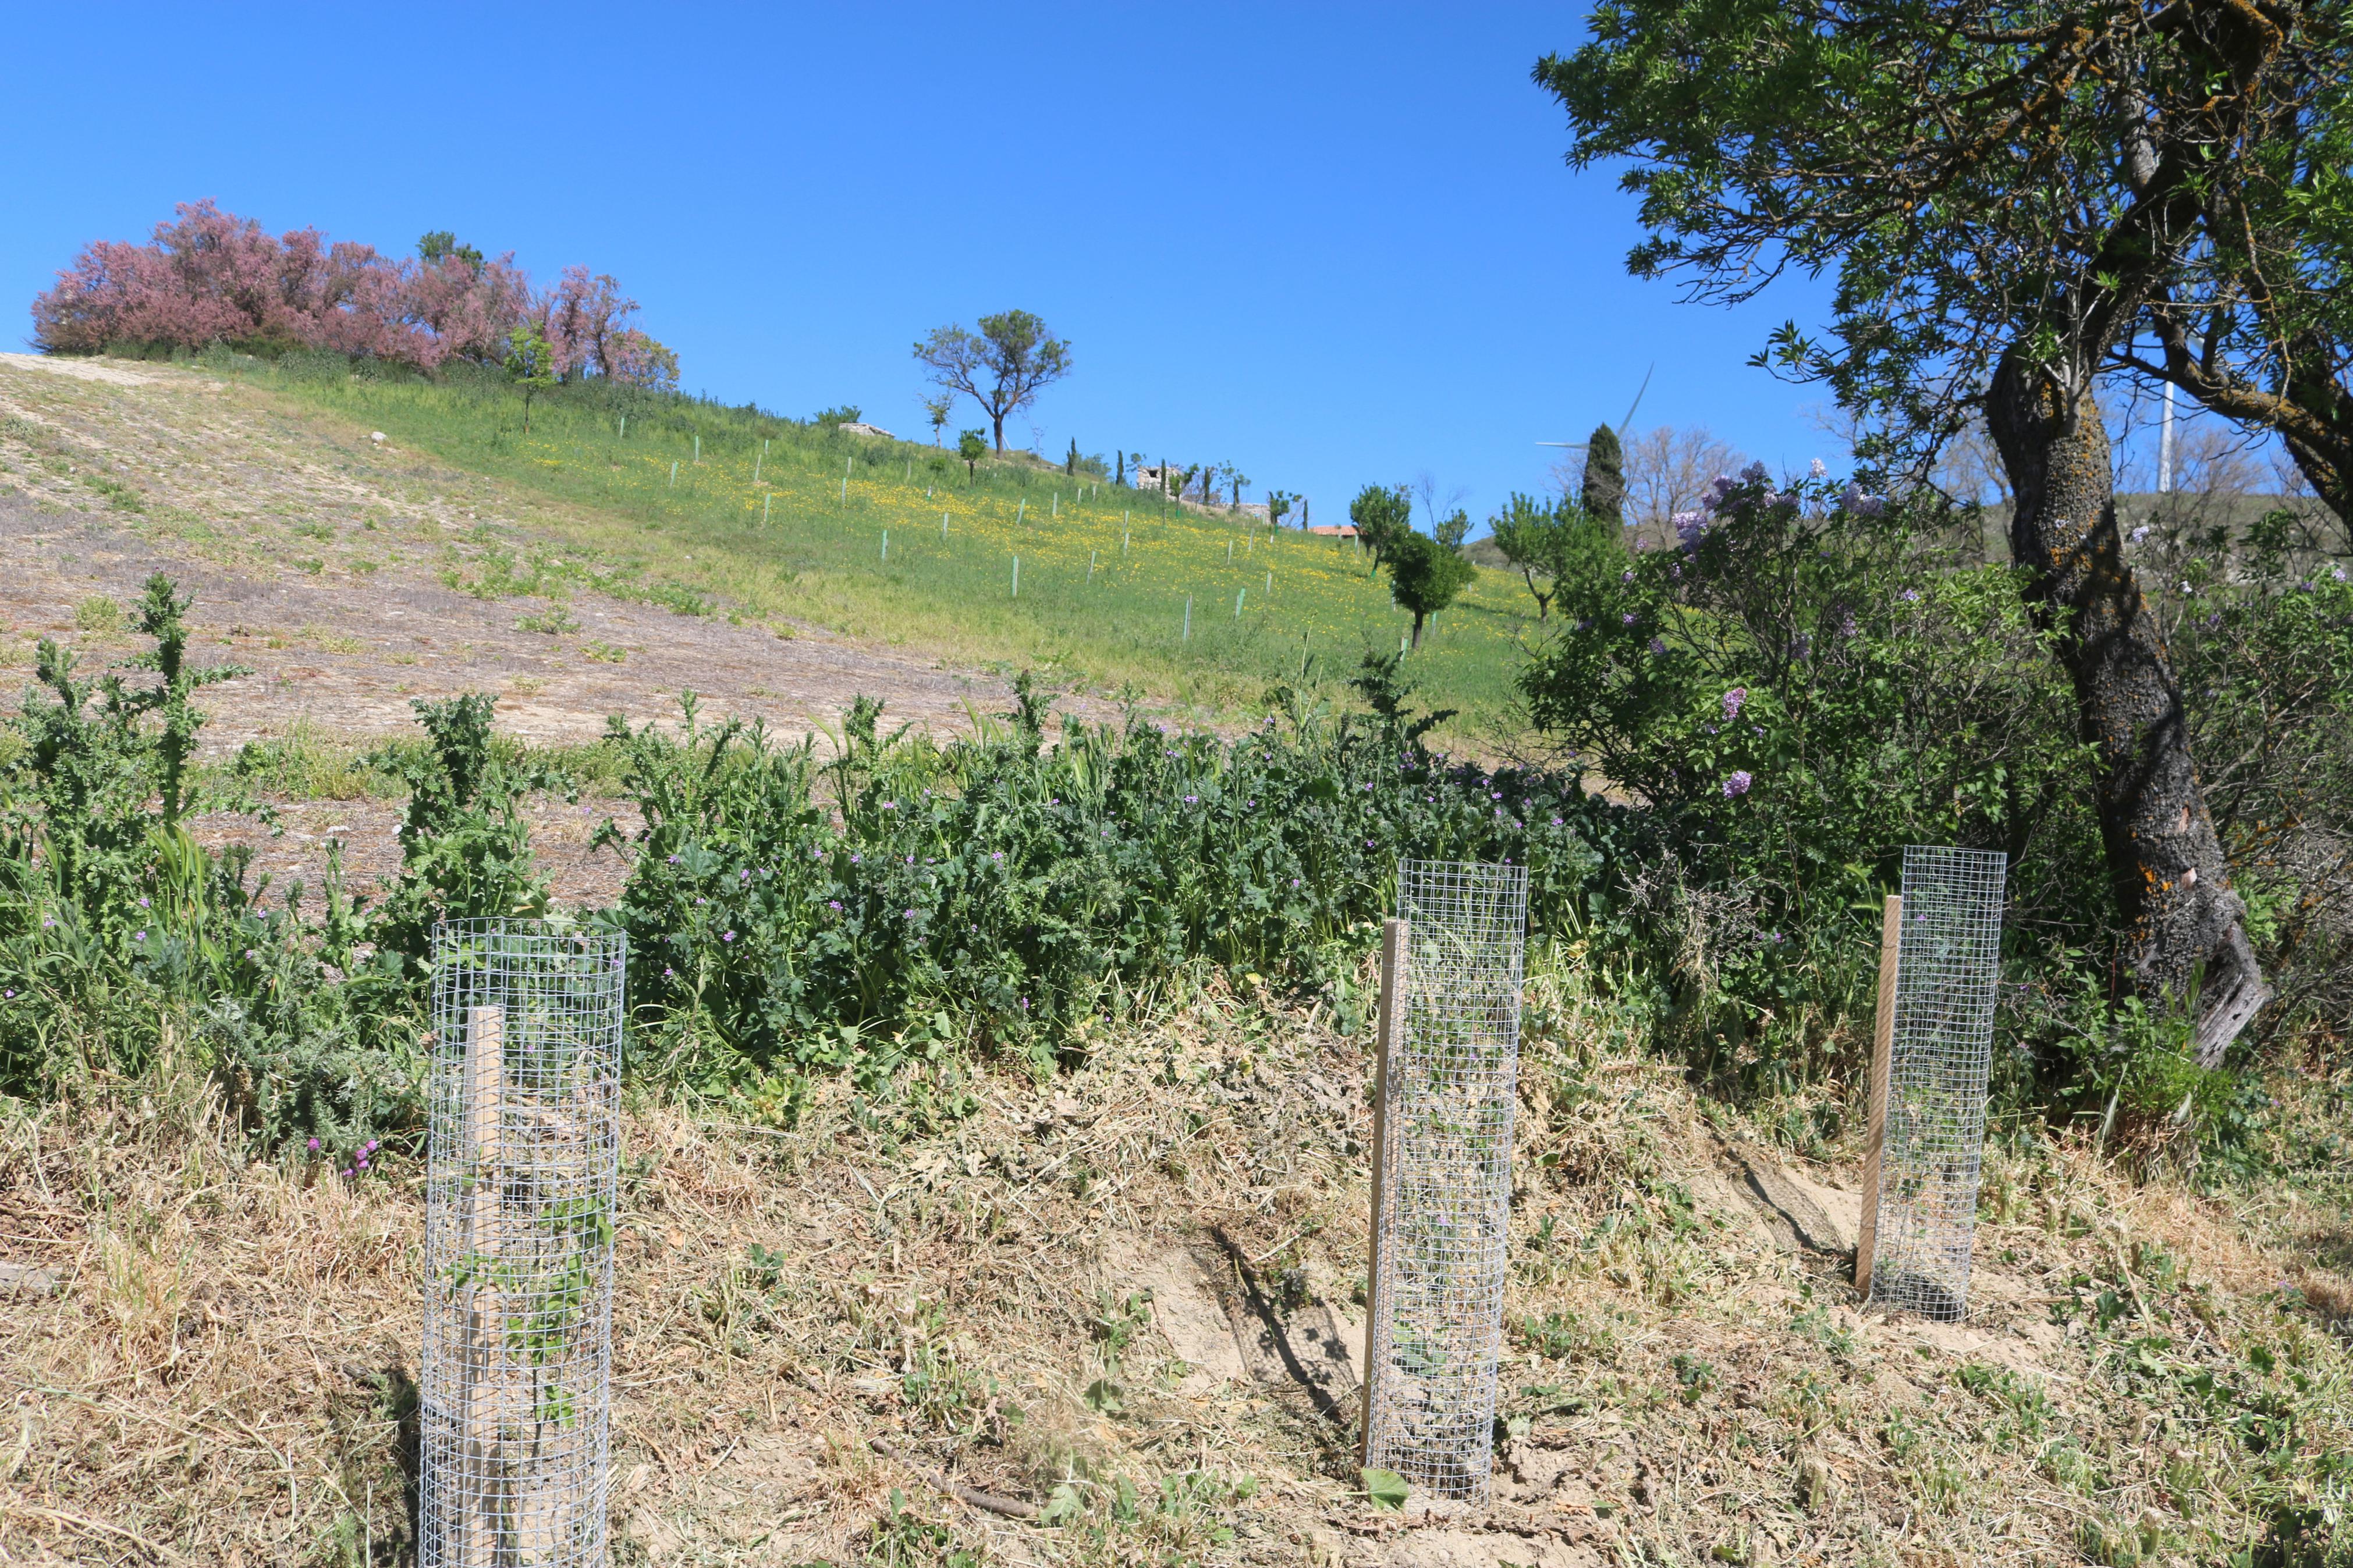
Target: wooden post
[[1882, 1047], [480, 1481], [1390, 1024]]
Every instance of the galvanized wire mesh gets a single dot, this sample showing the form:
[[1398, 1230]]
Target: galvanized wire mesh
[[1439, 1272], [522, 1178], [1947, 960]]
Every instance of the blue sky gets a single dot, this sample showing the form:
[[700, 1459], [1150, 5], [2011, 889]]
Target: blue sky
[[1329, 245]]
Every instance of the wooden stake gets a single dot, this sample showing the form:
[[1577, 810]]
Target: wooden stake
[[1882, 1050], [1395, 935], [480, 1481]]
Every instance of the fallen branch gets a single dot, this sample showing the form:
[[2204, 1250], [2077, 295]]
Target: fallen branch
[[1011, 1508]]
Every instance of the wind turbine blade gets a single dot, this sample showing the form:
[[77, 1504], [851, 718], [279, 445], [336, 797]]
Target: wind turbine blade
[[1638, 397]]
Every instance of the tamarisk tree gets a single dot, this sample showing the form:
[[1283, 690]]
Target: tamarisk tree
[[2001, 189]]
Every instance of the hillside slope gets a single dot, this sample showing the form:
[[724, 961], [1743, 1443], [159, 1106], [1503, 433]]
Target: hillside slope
[[1125, 1295]]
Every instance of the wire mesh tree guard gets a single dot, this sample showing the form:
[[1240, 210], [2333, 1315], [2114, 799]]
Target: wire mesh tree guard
[[1444, 1093], [521, 1181], [1940, 956]]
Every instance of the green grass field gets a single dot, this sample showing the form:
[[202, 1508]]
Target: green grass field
[[786, 521]]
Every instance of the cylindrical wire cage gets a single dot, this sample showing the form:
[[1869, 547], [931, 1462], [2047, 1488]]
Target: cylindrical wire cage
[[1445, 1184], [1948, 963], [522, 1176]]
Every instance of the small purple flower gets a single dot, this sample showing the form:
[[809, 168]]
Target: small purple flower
[[910, 914], [727, 936], [997, 853], [1658, 646], [9, 996], [139, 936], [834, 904], [142, 901], [1626, 619], [890, 805], [1627, 576], [1732, 701], [668, 972], [1737, 784], [314, 1145], [853, 859], [1910, 595], [673, 860], [2138, 534], [1556, 822], [1192, 800]]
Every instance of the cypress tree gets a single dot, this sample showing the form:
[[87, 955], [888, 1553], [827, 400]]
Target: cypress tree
[[1604, 491]]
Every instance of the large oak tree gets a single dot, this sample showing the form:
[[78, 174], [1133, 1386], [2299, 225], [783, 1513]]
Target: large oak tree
[[2001, 190]]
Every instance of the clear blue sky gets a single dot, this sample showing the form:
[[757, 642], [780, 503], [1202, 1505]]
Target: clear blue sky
[[1332, 244]]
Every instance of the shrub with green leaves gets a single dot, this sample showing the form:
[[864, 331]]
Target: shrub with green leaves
[[1019, 885]]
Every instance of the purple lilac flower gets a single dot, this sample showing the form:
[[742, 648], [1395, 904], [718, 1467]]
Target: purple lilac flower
[[1737, 784], [1818, 469], [1658, 646], [1732, 701], [2138, 534], [1626, 619]]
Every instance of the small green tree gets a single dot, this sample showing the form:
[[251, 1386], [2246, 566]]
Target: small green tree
[[1278, 507], [1603, 493], [1453, 530], [1070, 463], [1424, 577], [936, 411], [972, 446], [1550, 544], [530, 365], [1383, 516]]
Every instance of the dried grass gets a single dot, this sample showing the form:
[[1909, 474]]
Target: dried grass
[[226, 1374]]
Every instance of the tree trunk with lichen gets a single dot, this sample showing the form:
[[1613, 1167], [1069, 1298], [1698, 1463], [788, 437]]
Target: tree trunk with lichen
[[2187, 928]]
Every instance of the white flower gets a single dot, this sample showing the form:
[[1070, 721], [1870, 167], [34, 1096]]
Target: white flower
[[1818, 467]]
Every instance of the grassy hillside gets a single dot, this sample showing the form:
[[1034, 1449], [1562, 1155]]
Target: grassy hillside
[[787, 522]]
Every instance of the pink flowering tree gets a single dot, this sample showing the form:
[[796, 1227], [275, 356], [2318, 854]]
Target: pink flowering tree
[[209, 276]]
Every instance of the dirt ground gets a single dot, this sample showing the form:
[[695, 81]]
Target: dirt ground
[[1131, 1287]]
